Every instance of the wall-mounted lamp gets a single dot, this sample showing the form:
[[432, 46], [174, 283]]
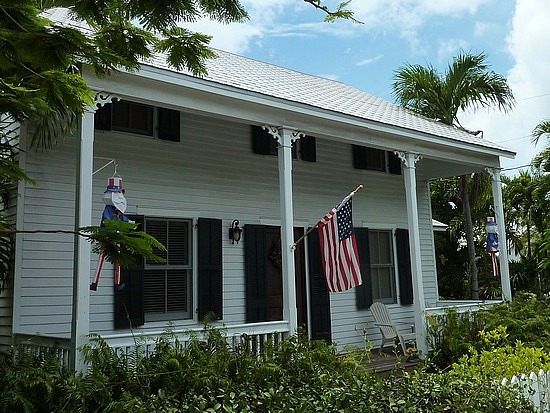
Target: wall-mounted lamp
[[235, 232]]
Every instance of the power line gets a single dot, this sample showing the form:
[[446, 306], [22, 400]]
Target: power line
[[533, 97]]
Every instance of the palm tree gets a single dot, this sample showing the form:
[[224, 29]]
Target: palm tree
[[468, 83], [542, 160]]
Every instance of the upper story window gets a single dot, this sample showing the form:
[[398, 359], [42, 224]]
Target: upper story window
[[265, 144], [373, 159], [140, 119]]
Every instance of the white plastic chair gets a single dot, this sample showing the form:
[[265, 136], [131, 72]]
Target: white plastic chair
[[387, 327]]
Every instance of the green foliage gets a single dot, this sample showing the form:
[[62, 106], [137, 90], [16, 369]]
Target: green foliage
[[454, 335], [120, 242], [500, 362], [206, 375]]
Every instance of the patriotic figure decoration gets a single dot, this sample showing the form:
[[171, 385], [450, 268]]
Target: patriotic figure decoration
[[339, 249], [492, 242], [115, 206]]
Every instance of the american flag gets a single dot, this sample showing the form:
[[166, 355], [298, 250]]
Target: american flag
[[339, 249]]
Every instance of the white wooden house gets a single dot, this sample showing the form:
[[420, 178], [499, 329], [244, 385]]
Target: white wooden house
[[272, 148]]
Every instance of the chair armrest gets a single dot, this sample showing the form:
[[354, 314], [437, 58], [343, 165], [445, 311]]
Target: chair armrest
[[383, 325]]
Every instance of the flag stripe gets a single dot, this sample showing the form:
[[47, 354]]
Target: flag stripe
[[339, 253]]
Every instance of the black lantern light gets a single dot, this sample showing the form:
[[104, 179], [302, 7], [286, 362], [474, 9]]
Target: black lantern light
[[235, 232]]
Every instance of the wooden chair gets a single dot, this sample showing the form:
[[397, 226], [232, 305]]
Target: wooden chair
[[388, 329]]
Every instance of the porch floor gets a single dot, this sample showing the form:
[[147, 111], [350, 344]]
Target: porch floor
[[382, 363]]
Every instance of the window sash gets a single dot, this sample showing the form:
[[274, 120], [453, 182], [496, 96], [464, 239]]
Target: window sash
[[382, 266]]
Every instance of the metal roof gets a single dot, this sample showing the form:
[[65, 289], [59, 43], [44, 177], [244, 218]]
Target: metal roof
[[251, 75]]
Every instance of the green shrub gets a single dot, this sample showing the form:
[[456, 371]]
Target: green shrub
[[207, 376], [454, 335], [502, 362]]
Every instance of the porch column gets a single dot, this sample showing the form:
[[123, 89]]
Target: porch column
[[496, 184], [409, 167], [80, 322], [80, 317], [285, 137]]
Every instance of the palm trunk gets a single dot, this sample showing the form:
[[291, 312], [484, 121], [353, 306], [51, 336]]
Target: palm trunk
[[468, 228]]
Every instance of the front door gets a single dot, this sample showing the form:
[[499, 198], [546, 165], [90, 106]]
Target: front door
[[264, 276]]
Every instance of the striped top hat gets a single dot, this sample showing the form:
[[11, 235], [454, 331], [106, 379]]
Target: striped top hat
[[114, 184]]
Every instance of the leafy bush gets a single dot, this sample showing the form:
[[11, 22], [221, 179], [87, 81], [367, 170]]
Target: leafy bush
[[454, 335], [502, 362], [208, 376]]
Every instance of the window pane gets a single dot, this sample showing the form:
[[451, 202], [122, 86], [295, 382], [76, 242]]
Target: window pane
[[384, 239], [385, 282], [141, 118], [159, 230], [177, 290], [374, 247], [154, 284], [375, 284], [178, 232]]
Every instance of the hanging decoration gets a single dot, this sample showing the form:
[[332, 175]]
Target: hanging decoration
[[115, 206], [492, 243]]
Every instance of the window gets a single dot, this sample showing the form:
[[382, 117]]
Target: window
[[263, 143], [155, 291], [167, 288], [140, 119], [382, 266], [376, 160], [376, 255]]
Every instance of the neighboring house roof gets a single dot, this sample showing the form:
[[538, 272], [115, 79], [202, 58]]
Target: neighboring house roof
[[263, 78]]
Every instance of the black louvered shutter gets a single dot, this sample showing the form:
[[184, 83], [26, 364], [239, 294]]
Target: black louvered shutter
[[404, 266], [363, 293], [169, 124], [394, 164], [129, 311], [308, 148], [102, 117], [359, 157], [261, 141], [255, 256], [319, 296], [210, 268]]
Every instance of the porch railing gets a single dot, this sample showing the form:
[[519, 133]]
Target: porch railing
[[462, 306], [252, 336]]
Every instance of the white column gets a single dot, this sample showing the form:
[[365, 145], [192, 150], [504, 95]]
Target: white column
[[285, 138], [503, 244], [82, 248], [409, 170]]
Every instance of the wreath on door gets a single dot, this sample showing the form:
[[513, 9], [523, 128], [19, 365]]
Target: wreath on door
[[276, 256]]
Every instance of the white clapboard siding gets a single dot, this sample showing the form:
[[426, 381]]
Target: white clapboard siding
[[211, 173]]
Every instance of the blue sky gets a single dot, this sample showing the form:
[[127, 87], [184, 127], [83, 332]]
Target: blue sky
[[513, 33]]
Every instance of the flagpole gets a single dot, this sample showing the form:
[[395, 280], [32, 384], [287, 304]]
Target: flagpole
[[309, 231]]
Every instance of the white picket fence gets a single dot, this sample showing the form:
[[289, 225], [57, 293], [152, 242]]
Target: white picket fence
[[536, 387]]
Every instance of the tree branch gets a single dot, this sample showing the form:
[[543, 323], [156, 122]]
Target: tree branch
[[339, 13]]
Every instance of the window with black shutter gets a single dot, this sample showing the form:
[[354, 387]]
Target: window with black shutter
[[373, 159], [139, 119]]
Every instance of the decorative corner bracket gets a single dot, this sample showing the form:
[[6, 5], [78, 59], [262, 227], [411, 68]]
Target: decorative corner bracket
[[278, 133], [409, 159], [494, 173], [102, 98]]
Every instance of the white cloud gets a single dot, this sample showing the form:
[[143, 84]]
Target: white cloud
[[365, 62], [529, 80]]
